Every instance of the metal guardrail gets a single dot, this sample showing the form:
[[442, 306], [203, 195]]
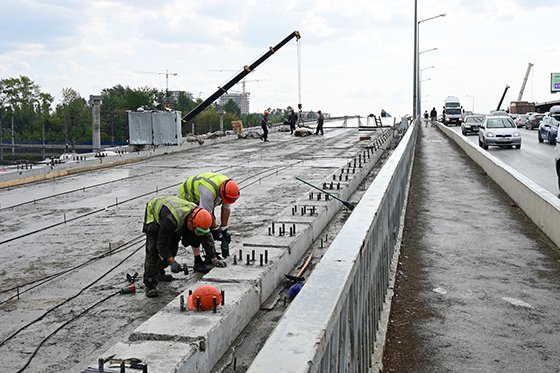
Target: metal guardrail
[[332, 325]]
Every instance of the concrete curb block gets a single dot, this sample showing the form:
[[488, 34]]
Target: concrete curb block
[[151, 353], [210, 333], [541, 206]]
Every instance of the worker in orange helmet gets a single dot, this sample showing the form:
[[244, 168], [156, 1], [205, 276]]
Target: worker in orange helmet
[[167, 221], [209, 190]]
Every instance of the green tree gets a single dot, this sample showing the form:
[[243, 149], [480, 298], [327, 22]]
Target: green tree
[[185, 103], [117, 101], [78, 117], [231, 107], [19, 99]]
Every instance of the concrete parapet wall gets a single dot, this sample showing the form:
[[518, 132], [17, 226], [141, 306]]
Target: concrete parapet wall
[[541, 206]]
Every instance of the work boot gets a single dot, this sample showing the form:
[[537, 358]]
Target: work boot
[[201, 267], [166, 278], [152, 292]]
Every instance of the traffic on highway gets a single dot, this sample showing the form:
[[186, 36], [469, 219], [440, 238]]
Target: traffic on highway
[[535, 160]]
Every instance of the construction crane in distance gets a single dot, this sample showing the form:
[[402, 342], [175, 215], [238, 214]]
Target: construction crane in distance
[[242, 82], [244, 103], [166, 73], [524, 81]]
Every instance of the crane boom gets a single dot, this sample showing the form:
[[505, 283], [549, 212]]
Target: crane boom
[[503, 96], [524, 82], [244, 72]]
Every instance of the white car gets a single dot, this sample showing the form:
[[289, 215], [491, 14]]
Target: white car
[[498, 131]]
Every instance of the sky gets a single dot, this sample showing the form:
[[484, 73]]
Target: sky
[[356, 56]]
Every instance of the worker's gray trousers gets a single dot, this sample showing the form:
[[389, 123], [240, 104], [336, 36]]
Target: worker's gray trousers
[[154, 264]]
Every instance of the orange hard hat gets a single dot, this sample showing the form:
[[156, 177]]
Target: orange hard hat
[[206, 294], [266, 112], [229, 191], [201, 218]]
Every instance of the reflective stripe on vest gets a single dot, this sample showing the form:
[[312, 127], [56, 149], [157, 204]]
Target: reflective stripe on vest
[[189, 189], [178, 207]]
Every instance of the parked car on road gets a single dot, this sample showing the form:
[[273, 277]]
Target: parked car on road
[[471, 124], [533, 121], [498, 131], [548, 128], [521, 120]]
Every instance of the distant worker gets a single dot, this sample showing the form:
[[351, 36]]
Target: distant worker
[[167, 221], [292, 120], [209, 190], [265, 126], [320, 121], [426, 118], [433, 116]]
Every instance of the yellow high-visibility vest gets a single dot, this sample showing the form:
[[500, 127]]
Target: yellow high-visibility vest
[[189, 189], [178, 207]]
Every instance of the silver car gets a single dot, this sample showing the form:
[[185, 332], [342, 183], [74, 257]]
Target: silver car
[[498, 131]]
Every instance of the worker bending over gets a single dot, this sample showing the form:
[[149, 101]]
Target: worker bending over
[[167, 221], [209, 190]]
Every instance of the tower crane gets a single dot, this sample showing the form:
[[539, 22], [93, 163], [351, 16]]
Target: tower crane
[[524, 82], [166, 73], [244, 104]]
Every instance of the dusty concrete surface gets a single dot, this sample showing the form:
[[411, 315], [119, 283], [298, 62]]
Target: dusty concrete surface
[[477, 283], [102, 240]]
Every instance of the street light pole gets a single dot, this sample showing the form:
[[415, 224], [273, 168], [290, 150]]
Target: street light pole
[[421, 80], [417, 57], [415, 67]]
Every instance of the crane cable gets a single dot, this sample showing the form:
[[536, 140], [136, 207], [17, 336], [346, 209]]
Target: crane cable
[[299, 75]]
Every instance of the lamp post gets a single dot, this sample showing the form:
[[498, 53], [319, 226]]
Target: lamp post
[[472, 102], [421, 80], [415, 64], [417, 55]]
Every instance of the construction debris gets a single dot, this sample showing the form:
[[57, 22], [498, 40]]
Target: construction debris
[[249, 135], [192, 138], [237, 126], [303, 131]]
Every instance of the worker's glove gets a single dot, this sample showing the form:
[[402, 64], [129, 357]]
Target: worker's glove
[[216, 234], [220, 263], [225, 248], [176, 267]]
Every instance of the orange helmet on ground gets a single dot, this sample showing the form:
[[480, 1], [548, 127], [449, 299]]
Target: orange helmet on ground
[[201, 221], [206, 293], [229, 191]]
